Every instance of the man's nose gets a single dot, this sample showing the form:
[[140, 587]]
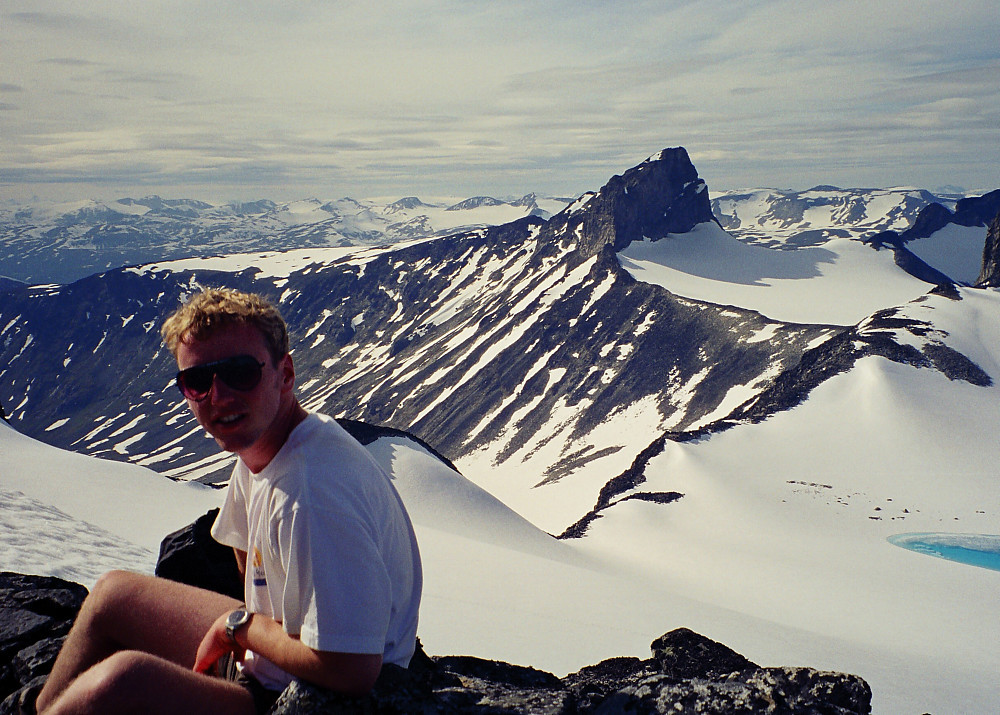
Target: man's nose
[[219, 390]]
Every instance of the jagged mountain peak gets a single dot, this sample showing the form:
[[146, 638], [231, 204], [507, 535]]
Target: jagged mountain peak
[[662, 195], [475, 340]]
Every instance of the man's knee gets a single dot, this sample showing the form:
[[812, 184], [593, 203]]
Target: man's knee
[[114, 590], [116, 582], [118, 683]]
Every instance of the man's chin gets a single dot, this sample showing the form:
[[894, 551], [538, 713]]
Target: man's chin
[[231, 443]]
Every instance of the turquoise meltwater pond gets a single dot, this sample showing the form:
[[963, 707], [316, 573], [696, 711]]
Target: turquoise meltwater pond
[[981, 550]]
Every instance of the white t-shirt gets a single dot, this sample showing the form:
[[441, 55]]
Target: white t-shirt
[[331, 552]]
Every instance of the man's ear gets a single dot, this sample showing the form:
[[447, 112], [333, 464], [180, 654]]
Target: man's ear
[[287, 368]]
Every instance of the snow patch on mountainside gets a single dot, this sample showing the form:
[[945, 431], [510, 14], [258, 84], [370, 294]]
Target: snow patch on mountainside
[[838, 283], [274, 264], [527, 481], [107, 494]]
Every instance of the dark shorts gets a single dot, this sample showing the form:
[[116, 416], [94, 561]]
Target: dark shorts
[[263, 699]]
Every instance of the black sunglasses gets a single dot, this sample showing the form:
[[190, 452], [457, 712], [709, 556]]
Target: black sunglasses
[[242, 372]]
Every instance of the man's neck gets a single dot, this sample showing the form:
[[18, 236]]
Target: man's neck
[[260, 454]]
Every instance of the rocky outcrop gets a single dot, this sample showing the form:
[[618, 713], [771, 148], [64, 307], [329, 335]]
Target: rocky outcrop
[[989, 276], [977, 210], [687, 673], [35, 616], [483, 340], [907, 259], [888, 333], [190, 555], [932, 218]]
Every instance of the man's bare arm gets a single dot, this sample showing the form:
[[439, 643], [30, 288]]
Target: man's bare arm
[[241, 561], [349, 673]]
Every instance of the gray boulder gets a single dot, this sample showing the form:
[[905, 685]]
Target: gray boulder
[[35, 617]]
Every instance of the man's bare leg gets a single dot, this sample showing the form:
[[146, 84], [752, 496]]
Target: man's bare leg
[[134, 612], [132, 682]]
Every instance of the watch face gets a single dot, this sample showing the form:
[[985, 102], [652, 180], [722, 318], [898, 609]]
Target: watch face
[[237, 618]]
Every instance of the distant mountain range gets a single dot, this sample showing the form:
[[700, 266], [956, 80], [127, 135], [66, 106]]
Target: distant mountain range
[[60, 243], [776, 218], [63, 242]]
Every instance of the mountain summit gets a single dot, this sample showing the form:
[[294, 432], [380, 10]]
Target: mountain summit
[[662, 195]]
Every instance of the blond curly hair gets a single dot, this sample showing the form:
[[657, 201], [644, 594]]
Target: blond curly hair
[[213, 308]]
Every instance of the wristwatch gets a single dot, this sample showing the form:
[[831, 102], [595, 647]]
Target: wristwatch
[[236, 620]]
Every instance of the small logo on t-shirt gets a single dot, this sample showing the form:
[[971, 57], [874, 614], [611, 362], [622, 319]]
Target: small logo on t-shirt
[[259, 577]]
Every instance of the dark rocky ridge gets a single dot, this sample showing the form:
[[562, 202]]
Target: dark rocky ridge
[[35, 616], [687, 673], [875, 336], [989, 277], [972, 211], [487, 337]]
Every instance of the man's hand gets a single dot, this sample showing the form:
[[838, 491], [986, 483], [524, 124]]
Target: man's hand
[[349, 673], [214, 645]]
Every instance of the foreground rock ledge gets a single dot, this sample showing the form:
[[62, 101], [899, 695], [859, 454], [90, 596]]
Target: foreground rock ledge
[[687, 673]]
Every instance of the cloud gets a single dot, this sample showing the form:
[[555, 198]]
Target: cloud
[[68, 62], [46, 20], [523, 96]]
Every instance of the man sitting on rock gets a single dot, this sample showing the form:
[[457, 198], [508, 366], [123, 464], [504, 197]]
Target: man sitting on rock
[[331, 568]]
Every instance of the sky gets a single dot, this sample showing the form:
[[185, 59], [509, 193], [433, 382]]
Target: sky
[[227, 100]]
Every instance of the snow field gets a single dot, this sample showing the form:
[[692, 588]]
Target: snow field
[[787, 521], [838, 283]]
